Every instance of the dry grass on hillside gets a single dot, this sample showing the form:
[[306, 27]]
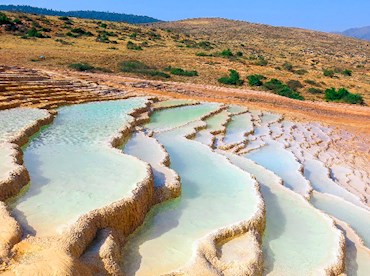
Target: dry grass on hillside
[[176, 44]]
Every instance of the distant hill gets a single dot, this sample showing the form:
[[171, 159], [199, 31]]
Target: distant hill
[[106, 16], [361, 33]]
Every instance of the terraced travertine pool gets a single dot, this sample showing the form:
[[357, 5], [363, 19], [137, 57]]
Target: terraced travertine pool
[[222, 155], [214, 194], [74, 170]]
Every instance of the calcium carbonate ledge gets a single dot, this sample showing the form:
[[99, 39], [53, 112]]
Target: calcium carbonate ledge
[[206, 260], [11, 185], [337, 266], [122, 216]]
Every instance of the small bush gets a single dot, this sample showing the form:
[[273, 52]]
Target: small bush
[[313, 90], [139, 67], [33, 32], [64, 18], [312, 82], [288, 66], [343, 95], [300, 72], [133, 46], [202, 54], [232, 79], [227, 53], [273, 84], [328, 73], [133, 35], [182, 72], [82, 67], [4, 19], [347, 72], [294, 84], [261, 61], [289, 93], [103, 25], [255, 80]]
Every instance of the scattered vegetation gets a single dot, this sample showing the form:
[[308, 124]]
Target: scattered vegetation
[[255, 80], [328, 73], [232, 79], [343, 95], [181, 72], [294, 84], [261, 61], [133, 46], [347, 72], [283, 90], [139, 67], [82, 67], [313, 90], [312, 82]]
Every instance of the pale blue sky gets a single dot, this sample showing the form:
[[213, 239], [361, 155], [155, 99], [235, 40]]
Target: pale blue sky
[[325, 15]]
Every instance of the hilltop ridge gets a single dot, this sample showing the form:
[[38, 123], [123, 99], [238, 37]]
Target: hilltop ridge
[[98, 15]]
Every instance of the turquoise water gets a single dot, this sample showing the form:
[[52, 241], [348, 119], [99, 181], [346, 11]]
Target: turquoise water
[[298, 239], [282, 162], [176, 117], [237, 128], [215, 123], [317, 174], [214, 194], [12, 121], [149, 150], [356, 217], [173, 103], [73, 169]]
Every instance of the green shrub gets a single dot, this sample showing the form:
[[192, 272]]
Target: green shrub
[[287, 92], [133, 35], [227, 53], [64, 18], [294, 84], [288, 66], [300, 72], [82, 67], [202, 54], [274, 84], [232, 79], [343, 95], [182, 72], [328, 73], [139, 67], [33, 32], [4, 19], [133, 46], [312, 82], [103, 25], [347, 72], [261, 61], [255, 80], [313, 90], [239, 54]]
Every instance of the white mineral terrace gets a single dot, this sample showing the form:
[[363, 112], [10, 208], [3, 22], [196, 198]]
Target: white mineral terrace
[[197, 189], [74, 169]]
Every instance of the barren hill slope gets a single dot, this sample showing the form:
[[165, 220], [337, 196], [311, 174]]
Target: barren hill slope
[[206, 49]]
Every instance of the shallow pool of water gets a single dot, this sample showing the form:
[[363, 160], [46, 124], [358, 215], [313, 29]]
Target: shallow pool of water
[[282, 162], [297, 236], [214, 194], [73, 169], [176, 117], [358, 218]]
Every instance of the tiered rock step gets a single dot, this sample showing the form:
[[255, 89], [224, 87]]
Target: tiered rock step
[[21, 87]]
